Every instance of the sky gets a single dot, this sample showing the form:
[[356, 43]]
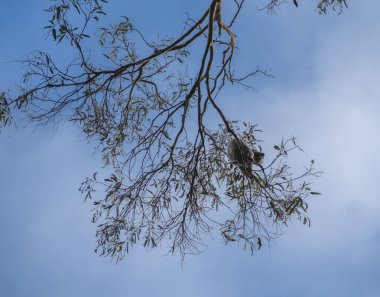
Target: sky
[[325, 91]]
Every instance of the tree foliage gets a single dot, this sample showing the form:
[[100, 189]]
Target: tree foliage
[[171, 180]]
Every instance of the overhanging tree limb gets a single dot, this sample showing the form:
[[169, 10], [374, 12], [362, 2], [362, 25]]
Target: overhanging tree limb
[[149, 116]]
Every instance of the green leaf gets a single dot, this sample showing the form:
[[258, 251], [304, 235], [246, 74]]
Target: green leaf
[[54, 32], [259, 242], [166, 134]]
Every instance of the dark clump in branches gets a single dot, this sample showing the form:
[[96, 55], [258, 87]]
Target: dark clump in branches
[[148, 114]]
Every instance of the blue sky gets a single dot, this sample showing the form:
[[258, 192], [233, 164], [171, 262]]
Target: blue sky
[[325, 91]]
